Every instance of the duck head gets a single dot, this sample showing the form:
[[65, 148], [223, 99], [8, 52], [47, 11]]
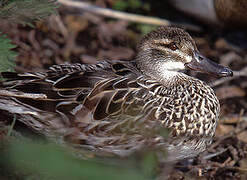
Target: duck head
[[168, 51]]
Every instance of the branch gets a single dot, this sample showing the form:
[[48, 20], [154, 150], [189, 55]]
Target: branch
[[125, 16]]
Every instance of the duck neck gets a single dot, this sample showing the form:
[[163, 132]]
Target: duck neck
[[169, 78], [154, 68]]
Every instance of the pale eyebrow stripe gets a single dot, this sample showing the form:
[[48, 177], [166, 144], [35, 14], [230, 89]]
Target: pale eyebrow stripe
[[163, 41]]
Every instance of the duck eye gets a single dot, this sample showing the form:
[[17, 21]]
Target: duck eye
[[173, 46]]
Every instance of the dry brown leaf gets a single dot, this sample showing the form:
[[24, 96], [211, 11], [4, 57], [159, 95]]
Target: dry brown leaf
[[221, 43], [88, 59], [229, 92], [76, 23], [223, 129], [230, 120], [242, 136], [107, 31], [229, 57], [116, 53]]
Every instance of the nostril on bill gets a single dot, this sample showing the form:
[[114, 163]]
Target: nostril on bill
[[227, 72], [201, 58]]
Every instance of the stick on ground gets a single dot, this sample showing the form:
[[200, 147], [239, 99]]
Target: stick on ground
[[126, 16]]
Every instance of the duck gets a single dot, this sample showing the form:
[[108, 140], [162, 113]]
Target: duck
[[121, 107], [217, 13]]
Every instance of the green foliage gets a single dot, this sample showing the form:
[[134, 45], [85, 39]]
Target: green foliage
[[26, 11], [48, 161], [20, 12], [120, 5], [123, 5], [135, 4], [149, 163], [145, 28], [7, 56]]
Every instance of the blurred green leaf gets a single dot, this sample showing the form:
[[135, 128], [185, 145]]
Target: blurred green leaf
[[145, 28], [49, 160], [26, 11], [120, 5], [149, 163], [123, 5], [135, 4], [7, 56], [146, 7]]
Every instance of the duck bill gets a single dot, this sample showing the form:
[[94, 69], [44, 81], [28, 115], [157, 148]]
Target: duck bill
[[205, 65]]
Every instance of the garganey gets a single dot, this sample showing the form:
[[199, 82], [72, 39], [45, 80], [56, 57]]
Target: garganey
[[119, 107]]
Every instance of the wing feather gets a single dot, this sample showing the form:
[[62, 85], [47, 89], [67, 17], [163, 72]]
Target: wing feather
[[109, 96]]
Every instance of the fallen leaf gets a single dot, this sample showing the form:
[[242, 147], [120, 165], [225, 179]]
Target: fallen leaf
[[223, 129], [116, 53], [229, 92], [242, 136], [229, 57], [230, 120]]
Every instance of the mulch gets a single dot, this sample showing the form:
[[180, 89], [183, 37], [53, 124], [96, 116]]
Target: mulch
[[87, 38]]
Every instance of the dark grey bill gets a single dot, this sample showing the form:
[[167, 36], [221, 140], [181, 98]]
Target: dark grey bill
[[205, 65]]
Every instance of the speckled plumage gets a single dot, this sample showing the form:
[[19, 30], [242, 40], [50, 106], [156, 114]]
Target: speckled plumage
[[119, 107]]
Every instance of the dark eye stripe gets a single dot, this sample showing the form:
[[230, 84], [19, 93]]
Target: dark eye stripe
[[163, 45], [171, 45]]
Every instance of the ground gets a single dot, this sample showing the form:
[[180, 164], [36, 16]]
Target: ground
[[80, 37]]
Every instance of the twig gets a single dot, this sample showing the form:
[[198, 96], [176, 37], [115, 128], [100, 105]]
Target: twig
[[11, 126], [225, 167], [243, 170], [210, 156], [236, 74], [125, 16], [222, 138]]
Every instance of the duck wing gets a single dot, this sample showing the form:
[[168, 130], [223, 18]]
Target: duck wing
[[64, 82], [92, 105]]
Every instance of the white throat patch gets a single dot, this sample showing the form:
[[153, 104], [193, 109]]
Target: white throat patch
[[173, 66], [171, 69]]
